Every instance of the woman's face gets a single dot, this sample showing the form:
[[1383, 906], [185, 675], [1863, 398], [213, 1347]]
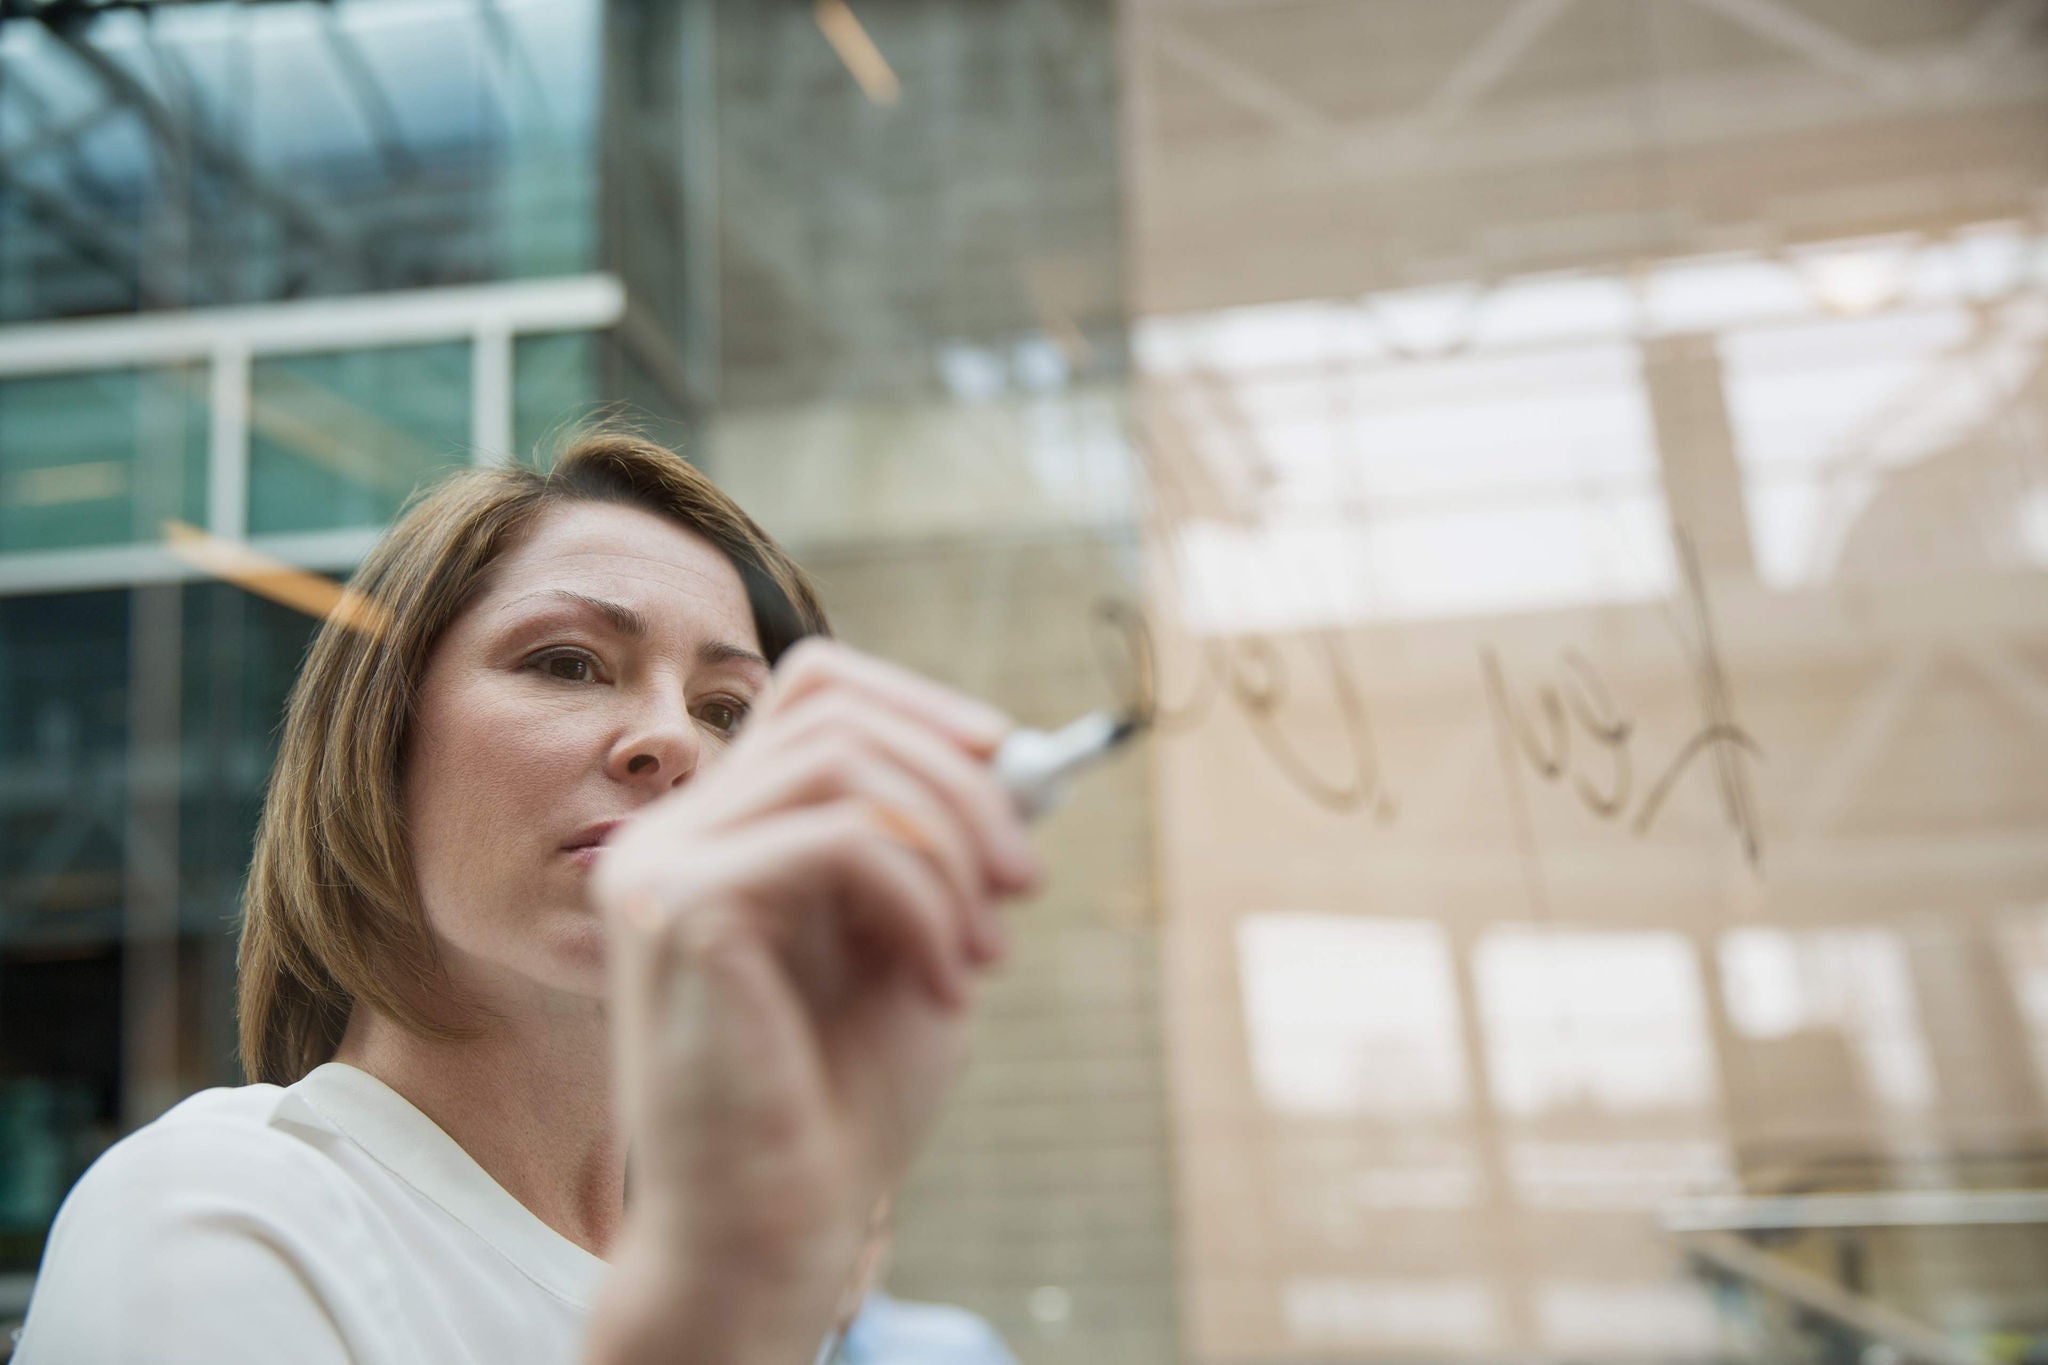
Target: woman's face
[[609, 656]]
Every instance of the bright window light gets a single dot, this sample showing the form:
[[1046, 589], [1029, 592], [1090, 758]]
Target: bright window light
[[1447, 1313], [1351, 1015], [1593, 1022], [1856, 982]]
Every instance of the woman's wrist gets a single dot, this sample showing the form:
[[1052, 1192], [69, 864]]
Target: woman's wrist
[[659, 1309]]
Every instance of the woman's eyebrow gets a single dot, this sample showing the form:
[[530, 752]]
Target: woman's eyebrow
[[618, 615], [633, 626], [715, 652]]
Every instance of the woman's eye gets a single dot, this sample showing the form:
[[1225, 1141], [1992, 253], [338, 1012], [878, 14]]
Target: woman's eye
[[724, 716], [569, 667]]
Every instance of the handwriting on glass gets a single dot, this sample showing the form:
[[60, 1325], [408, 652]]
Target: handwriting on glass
[[1578, 703], [1572, 735], [1251, 672]]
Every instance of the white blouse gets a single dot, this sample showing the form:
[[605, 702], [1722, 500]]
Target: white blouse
[[324, 1223]]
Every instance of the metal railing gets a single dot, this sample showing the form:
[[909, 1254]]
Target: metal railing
[[1808, 1316]]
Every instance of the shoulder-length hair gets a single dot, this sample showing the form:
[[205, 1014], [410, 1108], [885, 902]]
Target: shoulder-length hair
[[331, 917]]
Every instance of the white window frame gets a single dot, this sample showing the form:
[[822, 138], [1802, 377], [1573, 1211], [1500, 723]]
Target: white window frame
[[228, 341]]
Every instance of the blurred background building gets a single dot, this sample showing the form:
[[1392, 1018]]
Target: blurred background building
[[1572, 473]]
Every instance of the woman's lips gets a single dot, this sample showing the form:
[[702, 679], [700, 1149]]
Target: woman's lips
[[584, 848]]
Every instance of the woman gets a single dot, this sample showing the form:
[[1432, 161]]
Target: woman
[[526, 899]]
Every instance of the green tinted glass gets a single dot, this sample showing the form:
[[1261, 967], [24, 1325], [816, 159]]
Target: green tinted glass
[[63, 774], [240, 655], [101, 458], [554, 385], [342, 440]]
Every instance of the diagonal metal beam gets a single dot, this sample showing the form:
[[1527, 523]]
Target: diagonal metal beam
[[1244, 88], [507, 57], [55, 135], [1872, 1323], [379, 116], [1775, 21], [1874, 720], [1495, 54], [85, 237], [2007, 673], [52, 137], [2002, 27], [171, 133]]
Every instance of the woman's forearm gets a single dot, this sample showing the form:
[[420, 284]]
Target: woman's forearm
[[654, 1311], [791, 991]]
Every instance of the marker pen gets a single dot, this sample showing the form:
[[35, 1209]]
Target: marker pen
[[1035, 766]]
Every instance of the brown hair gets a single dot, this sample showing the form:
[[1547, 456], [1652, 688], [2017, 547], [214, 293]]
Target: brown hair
[[331, 917]]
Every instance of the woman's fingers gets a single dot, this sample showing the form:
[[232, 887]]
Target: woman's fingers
[[969, 799], [818, 665], [894, 768], [698, 998], [910, 817], [793, 939], [901, 902], [838, 744], [965, 784], [771, 871], [844, 763]]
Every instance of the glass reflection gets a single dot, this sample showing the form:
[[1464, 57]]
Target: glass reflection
[[1664, 1320], [1781, 983], [1593, 1022], [1447, 1314], [63, 745], [100, 458], [1349, 1015], [342, 440], [1838, 420], [2026, 957], [554, 386], [1458, 450], [208, 154], [1641, 1174]]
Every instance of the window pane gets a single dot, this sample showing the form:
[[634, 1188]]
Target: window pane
[[342, 440], [60, 1050], [63, 764], [101, 458], [554, 383], [400, 143], [1351, 1015], [241, 654], [1593, 1022]]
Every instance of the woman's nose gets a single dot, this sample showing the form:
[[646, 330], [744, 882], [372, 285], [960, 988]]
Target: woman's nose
[[660, 752]]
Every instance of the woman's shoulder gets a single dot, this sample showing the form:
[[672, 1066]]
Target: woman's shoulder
[[217, 1232], [253, 1148]]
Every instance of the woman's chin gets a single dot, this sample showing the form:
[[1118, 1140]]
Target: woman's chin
[[575, 953]]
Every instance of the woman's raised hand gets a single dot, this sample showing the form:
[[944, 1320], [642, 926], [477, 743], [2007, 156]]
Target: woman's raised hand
[[795, 937]]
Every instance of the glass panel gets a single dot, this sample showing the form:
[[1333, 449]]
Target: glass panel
[[554, 385], [1351, 1015], [64, 835], [60, 1049], [299, 150], [1619, 542], [68, 818], [63, 765], [1570, 470], [864, 241], [343, 440], [1854, 986], [1831, 418], [1587, 1024], [100, 458], [240, 656]]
